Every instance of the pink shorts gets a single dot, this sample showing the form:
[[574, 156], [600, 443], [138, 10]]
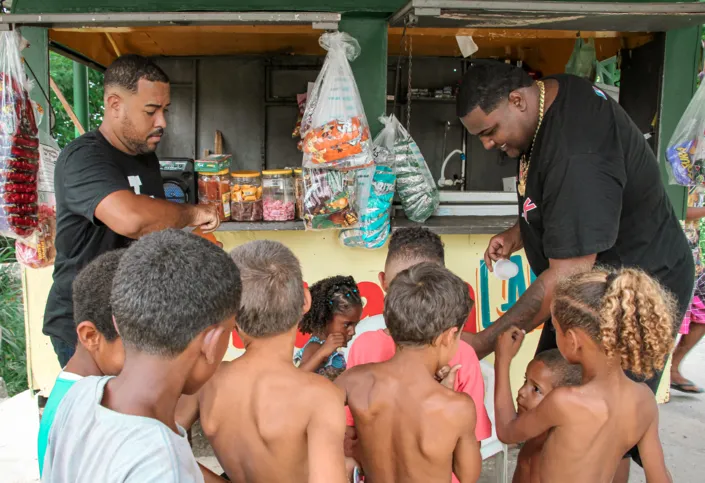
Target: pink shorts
[[695, 314]]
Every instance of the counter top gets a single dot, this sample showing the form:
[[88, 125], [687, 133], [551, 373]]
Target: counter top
[[443, 225]]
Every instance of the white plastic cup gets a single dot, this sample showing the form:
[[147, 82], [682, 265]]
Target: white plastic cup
[[505, 269]]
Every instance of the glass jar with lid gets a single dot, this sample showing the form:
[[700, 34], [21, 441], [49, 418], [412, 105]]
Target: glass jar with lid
[[246, 196], [214, 189], [278, 200], [299, 192]]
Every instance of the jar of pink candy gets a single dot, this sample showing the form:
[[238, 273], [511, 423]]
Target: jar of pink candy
[[278, 199]]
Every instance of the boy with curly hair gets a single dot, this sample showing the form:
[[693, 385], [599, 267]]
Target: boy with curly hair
[[607, 322]]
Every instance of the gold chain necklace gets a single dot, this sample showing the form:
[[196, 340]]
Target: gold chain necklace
[[525, 160]]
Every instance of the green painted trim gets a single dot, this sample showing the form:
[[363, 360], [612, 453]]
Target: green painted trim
[[681, 61], [80, 94], [37, 57], [370, 68]]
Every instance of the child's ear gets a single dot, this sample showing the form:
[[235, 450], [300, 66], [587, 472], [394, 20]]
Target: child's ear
[[307, 300], [447, 337], [88, 335], [574, 343], [382, 277], [211, 342]]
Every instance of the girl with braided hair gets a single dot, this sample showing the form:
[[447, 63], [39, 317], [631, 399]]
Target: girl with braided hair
[[608, 322], [336, 308]]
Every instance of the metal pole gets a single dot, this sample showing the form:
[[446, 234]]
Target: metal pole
[[80, 94]]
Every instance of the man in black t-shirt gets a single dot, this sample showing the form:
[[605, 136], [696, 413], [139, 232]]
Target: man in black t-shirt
[[589, 189], [109, 189]]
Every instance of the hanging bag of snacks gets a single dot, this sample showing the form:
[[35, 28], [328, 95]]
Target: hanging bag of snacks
[[19, 155], [416, 188], [332, 198], [334, 128], [686, 149]]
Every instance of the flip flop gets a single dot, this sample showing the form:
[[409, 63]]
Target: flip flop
[[687, 387]]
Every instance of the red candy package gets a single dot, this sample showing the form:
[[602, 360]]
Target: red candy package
[[19, 146]]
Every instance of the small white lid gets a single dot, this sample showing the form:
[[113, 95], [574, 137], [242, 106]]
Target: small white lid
[[505, 269]]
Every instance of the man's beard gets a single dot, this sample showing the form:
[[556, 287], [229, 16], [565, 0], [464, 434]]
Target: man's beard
[[133, 141]]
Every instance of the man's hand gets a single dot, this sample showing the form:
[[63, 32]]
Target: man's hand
[[206, 218], [447, 375], [503, 245], [508, 344], [332, 343]]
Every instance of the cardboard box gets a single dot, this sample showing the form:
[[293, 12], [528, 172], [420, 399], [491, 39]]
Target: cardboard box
[[213, 163]]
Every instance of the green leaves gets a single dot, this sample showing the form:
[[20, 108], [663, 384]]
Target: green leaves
[[13, 359]]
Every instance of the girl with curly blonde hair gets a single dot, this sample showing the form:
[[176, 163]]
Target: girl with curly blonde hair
[[609, 322]]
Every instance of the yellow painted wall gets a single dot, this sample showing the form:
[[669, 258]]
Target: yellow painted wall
[[321, 256]]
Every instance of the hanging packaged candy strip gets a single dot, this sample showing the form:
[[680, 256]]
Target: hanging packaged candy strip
[[331, 199], [334, 128], [19, 155], [686, 149]]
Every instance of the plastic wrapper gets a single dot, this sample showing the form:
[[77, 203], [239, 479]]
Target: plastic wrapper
[[334, 129], [375, 217], [415, 186], [19, 146], [301, 101], [332, 198], [686, 149], [39, 251]]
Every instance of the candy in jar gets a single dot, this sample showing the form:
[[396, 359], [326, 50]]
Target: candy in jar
[[214, 189], [246, 196], [278, 200]]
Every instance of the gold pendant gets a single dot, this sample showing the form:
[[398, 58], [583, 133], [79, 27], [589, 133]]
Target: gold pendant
[[521, 188]]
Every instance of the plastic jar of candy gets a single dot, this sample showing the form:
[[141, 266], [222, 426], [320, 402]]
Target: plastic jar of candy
[[246, 196], [299, 193], [214, 189], [278, 200]]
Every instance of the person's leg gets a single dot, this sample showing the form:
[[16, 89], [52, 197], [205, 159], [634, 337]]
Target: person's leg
[[696, 331], [63, 350]]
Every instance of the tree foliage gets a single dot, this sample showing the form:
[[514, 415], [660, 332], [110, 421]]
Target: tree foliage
[[61, 70]]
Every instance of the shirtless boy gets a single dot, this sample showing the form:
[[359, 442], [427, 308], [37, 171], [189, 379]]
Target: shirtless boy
[[266, 420], [607, 322], [545, 373], [411, 428]]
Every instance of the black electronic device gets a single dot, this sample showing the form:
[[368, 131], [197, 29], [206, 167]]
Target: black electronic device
[[179, 180]]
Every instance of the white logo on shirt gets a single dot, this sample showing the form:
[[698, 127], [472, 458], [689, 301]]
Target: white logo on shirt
[[135, 183]]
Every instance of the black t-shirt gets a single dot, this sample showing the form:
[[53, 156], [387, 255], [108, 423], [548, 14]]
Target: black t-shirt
[[594, 187], [88, 170]]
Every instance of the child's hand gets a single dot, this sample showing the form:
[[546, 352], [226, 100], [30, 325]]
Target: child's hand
[[332, 343], [447, 375], [508, 344]]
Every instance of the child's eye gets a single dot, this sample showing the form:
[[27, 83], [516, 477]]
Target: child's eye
[[537, 389]]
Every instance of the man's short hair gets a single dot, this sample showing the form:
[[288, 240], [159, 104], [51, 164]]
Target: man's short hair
[[564, 373], [126, 71], [169, 287], [415, 244], [91, 293], [272, 288], [423, 302], [486, 83]]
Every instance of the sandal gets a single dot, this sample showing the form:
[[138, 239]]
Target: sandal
[[687, 387]]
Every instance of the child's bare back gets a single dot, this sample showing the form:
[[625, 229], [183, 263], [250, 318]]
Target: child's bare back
[[598, 423], [266, 419], [410, 427]]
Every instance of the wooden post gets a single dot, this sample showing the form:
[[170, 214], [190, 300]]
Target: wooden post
[[67, 106]]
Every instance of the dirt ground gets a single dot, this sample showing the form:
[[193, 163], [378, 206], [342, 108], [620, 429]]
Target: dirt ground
[[682, 423]]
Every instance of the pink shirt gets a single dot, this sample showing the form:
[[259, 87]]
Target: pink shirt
[[377, 346]]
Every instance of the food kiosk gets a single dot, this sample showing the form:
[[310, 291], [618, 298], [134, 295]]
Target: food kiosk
[[237, 68]]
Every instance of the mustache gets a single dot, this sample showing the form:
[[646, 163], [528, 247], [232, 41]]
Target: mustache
[[157, 132]]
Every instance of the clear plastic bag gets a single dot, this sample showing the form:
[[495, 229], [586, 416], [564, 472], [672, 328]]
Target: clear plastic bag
[[19, 154], [334, 128], [583, 59], [332, 198], [375, 218], [416, 188], [685, 153], [39, 250]]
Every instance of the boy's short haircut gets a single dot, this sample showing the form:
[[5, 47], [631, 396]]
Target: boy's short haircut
[[169, 287], [564, 373], [272, 288], [423, 302], [91, 293], [416, 244]]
